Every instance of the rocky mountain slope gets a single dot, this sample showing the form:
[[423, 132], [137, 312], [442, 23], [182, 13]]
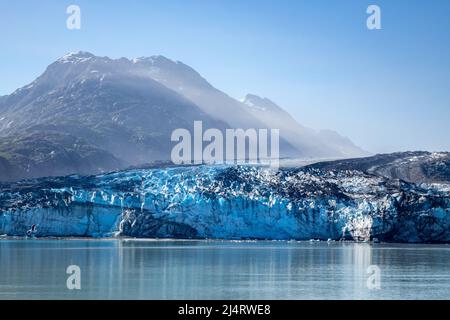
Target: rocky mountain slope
[[88, 114], [416, 167]]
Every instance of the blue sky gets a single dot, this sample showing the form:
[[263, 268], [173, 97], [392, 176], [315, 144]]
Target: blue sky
[[387, 90]]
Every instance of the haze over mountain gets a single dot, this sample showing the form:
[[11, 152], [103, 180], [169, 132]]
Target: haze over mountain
[[88, 114]]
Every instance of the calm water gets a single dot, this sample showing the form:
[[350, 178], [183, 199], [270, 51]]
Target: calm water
[[128, 269]]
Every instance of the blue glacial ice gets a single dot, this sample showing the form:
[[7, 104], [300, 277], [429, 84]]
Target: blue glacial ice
[[229, 202]]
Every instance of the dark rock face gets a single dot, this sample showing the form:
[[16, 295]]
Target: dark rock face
[[237, 202], [52, 154], [88, 115]]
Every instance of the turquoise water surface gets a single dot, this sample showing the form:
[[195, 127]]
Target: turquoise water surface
[[156, 269]]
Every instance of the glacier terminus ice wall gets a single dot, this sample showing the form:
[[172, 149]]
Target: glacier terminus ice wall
[[229, 202]]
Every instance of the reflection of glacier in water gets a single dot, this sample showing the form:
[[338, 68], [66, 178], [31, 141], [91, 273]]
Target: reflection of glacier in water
[[141, 269], [242, 202]]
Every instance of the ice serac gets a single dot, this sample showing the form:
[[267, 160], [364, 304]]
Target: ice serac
[[232, 202]]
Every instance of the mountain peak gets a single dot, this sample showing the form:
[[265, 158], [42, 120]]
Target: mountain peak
[[76, 57], [256, 102]]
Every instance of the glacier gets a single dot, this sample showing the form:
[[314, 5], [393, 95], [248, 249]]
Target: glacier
[[229, 202]]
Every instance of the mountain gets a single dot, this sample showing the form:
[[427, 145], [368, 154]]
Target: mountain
[[251, 112], [189, 83], [88, 114], [309, 142], [83, 102], [341, 200], [414, 167]]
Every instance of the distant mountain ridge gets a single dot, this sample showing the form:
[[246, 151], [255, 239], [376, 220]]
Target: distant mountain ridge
[[88, 114]]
